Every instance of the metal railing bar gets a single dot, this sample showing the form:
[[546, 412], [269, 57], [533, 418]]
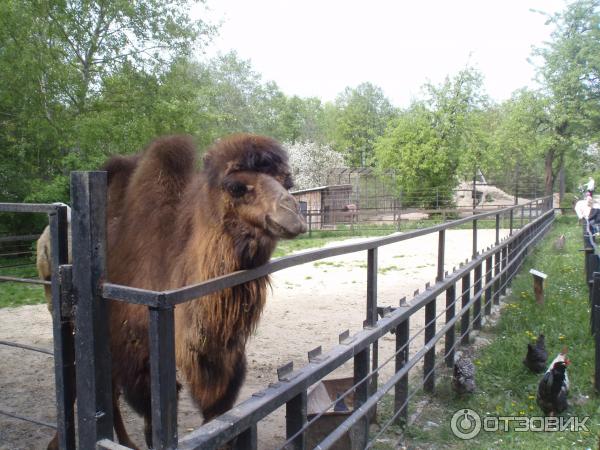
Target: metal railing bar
[[24, 280], [27, 347], [28, 419], [28, 207], [180, 295]]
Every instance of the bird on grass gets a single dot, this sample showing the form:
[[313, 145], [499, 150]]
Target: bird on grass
[[554, 386], [463, 379], [536, 357], [559, 244]]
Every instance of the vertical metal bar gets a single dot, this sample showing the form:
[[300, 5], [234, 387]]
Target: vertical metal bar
[[511, 224], [488, 286], [596, 327], [372, 267], [451, 333], [441, 252], [505, 279], [295, 419], [474, 254], [497, 229], [401, 388], [477, 305], [92, 349], [497, 257], [522, 214], [429, 359], [247, 440], [466, 318], [361, 393], [371, 287], [62, 327], [530, 208], [162, 378]]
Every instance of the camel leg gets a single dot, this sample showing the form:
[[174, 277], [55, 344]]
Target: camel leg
[[118, 423], [225, 402], [53, 444]]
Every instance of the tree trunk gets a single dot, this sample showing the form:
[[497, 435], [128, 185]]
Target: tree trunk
[[561, 181], [549, 180]]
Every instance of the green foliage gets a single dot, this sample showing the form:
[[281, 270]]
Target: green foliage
[[435, 140], [360, 116]]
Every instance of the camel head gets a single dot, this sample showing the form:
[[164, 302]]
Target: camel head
[[253, 178]]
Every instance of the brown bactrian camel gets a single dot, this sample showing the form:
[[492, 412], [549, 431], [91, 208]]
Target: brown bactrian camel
[[170, 225]]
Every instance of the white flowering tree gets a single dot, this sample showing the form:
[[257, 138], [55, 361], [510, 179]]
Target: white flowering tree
[[311, 163]]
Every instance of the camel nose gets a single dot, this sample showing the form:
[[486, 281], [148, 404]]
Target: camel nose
[[286, 221]]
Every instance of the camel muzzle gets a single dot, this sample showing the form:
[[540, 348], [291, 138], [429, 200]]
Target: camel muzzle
[[286, 222]]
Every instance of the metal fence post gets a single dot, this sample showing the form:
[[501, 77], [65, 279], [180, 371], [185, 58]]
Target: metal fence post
[[295, 419], [466, 318], [451, 333], [429, 358], [477, 292], [474, 253], [372, 267], [92, 349], [596, 327], [441, 252], [361, 393], [62, 325], [401, 388], [497, 229], [488, 285], [161, 332]]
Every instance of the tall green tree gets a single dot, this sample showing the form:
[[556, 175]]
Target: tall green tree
[[361, 116], [64, 65], [438, 139], [570, 73]]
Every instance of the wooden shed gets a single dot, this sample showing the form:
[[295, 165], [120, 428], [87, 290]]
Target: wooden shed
[[326, 206]]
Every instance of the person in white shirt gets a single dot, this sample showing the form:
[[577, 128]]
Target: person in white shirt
[[591, 184]]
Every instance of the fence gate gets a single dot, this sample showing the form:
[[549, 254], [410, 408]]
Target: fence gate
[[64, 357]]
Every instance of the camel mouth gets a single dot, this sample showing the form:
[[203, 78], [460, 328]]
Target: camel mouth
[[285, 226]]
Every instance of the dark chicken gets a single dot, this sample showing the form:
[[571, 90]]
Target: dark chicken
[[536, 357], [554, 386], [463, 379]]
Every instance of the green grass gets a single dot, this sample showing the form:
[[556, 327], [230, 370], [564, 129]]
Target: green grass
[[18, 294], [504, 386]]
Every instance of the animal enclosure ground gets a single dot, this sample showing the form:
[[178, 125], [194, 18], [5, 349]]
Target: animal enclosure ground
[[309, 305]]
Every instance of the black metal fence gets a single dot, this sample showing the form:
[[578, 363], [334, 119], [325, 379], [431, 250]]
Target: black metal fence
[[64, 358], [240, 424], [470, 291]]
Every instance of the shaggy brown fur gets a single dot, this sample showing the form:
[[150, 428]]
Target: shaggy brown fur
[[169, 226]]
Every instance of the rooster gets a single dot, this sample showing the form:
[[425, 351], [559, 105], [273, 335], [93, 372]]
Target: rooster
[[536, 357], [463, 379], [554, 386]]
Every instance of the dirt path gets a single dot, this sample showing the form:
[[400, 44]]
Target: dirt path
[[309, 306]]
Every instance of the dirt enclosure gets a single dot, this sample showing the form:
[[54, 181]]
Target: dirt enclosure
[[309, 305]]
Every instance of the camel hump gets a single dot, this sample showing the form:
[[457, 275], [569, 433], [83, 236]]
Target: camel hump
[[120, 167], [172, 155]]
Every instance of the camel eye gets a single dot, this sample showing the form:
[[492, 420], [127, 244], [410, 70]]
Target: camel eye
[[237, 189]]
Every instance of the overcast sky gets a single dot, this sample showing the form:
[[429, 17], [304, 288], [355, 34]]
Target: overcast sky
[[318, 47]]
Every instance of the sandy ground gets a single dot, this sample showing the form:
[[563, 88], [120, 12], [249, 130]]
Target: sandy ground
[[309, 306]]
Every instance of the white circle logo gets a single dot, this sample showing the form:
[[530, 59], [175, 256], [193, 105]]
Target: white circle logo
[[465, 424]]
